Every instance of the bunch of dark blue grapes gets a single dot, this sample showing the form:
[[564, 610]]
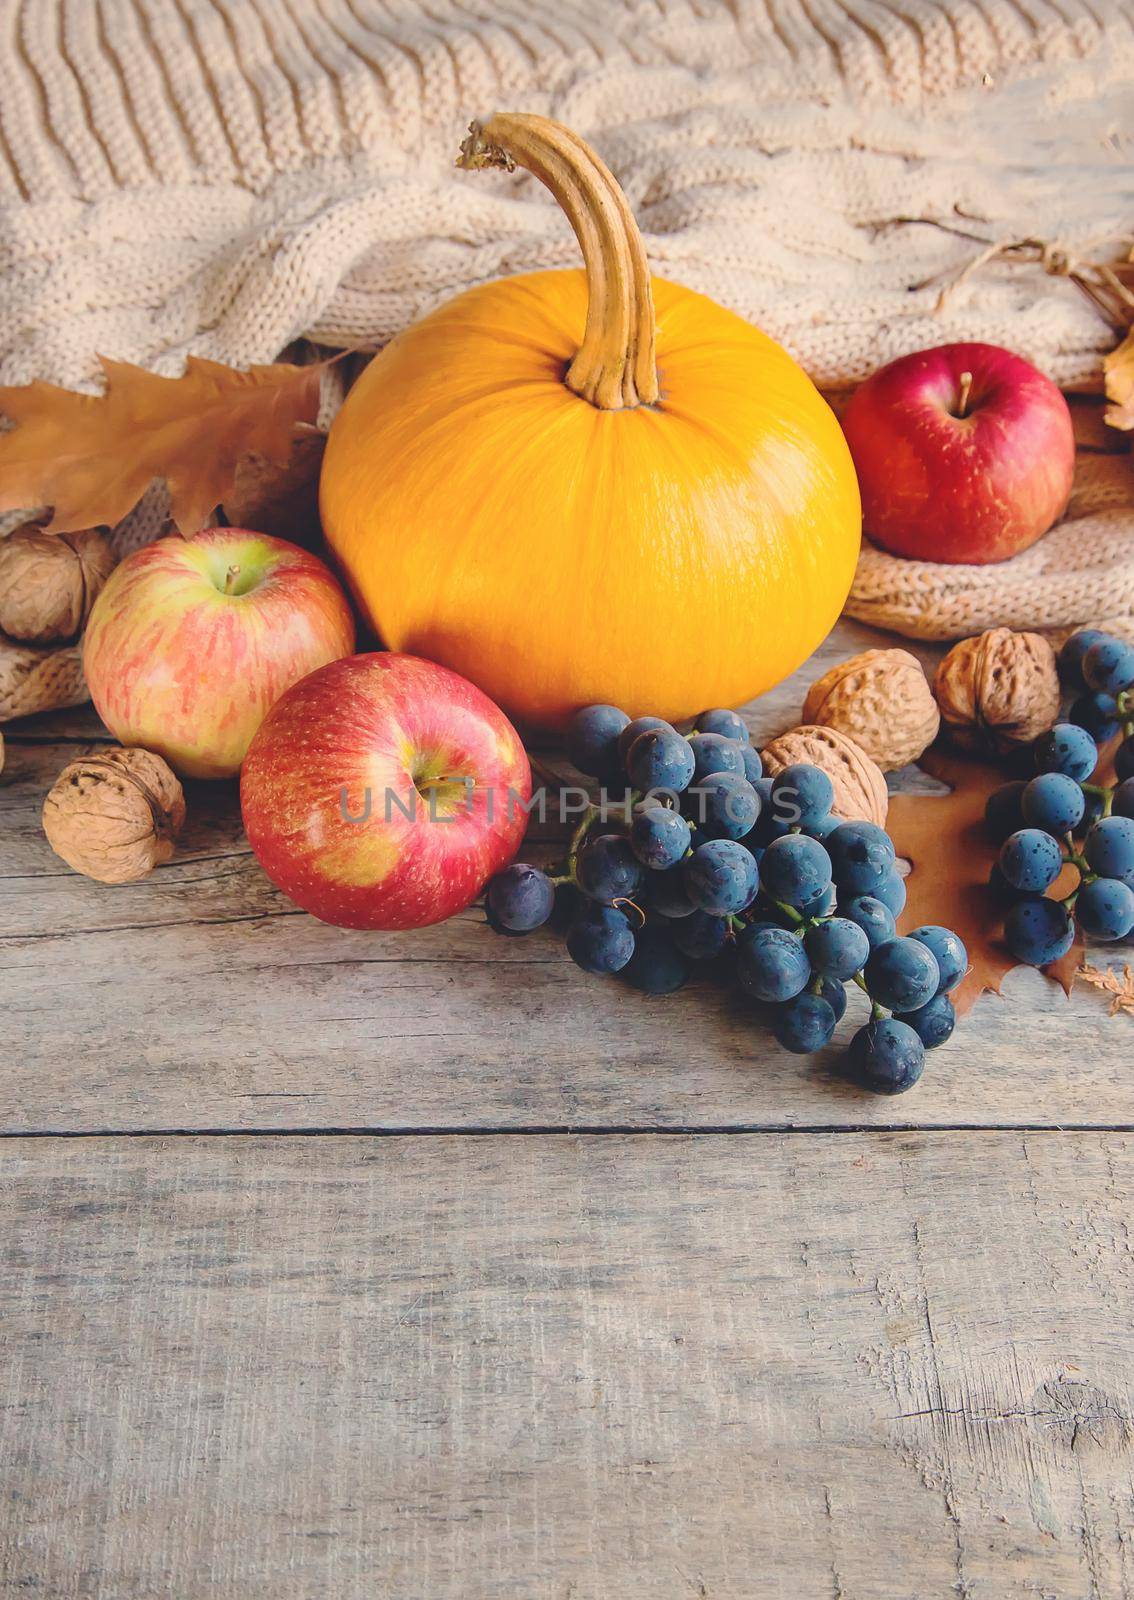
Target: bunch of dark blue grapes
[[716, 863], [1060, 816]]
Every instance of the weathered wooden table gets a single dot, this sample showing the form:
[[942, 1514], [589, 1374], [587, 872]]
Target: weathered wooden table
[[423, 1266]]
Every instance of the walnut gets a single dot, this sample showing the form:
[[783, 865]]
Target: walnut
[[860, 787], [882, 699], [50, 581], [114, 815], [999, 690], [39, 678]]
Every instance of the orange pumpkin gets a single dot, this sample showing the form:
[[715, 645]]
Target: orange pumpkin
[[575, 487]]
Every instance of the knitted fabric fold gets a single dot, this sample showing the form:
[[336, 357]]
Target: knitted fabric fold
[[223, 176]]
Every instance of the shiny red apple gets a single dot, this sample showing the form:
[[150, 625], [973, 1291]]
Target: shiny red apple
[[193, 640], [964, 453], [383, 790]]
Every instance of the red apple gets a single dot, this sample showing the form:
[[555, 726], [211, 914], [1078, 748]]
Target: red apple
[[193, 640], [964, 453], [382, 791]]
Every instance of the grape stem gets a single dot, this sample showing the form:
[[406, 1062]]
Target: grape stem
[[582, 828], [1105, 793], [876, 1010]]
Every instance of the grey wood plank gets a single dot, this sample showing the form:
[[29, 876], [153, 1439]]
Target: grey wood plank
[[201, 998], [877, 1367]]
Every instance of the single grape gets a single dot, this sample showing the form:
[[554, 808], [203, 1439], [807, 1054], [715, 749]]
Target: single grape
[[835, 995], [795, 869], [729, 724], [730, 806], [1073, 651], [1104, 908], [753, 765], [804, 1024], [902, 974], [837, 948], [887, 1056], [802, 794], [659, 837], [1098, 714], [600, 939], [1093, 807], [1007, 893], [607, 868], [592, 740], [521, 897], [1030, 860], [666, 893], [712, 752], [659, 759], [701, 936], [721, 877], [1002, 814], [1124, 759], [822, 828], [892, 892], [862, 854], [1108, 666], [1109, 848], [820, 905], [933, 1022], [772, 965], [657, 965], [1123, 802], [498, 927], [1053, 803], [1038, 931], [1068, 749], [634, 730], [874, 918], [951, 956], [768, 825]]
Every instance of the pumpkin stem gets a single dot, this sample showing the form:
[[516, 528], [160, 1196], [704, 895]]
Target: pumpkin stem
[[615, 366]]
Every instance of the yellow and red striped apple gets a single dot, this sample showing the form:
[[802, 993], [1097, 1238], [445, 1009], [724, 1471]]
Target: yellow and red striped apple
[[383, 791], [192, 641]]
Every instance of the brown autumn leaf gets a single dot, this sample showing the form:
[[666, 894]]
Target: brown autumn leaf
[[1119, 986], [1118, 368], [91, 457], [282, 501], [945, 840]]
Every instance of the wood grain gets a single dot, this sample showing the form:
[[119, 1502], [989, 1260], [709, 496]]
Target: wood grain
[[202, 999], [874, 1367]]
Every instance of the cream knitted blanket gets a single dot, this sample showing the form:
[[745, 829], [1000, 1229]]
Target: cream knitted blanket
[[225, 176]]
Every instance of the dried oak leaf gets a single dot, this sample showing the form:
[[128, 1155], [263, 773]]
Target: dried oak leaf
[[1119, 986], [282, 501], [91, 457], [1118, 368], [945, 840]]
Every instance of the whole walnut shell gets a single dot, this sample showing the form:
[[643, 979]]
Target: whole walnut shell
[[999, 690], [50, 581], [114, 815], [860, 787], [882, 699]]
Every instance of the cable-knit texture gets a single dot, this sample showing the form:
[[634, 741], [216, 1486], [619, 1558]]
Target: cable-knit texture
[[221, 177]]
